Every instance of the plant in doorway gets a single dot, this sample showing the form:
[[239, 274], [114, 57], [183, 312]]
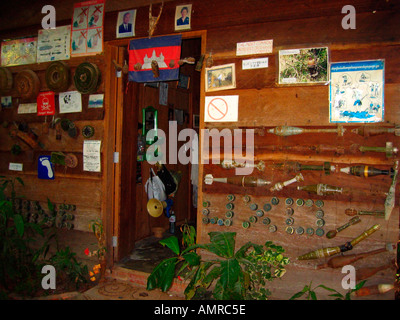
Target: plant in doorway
[[239, 275], [96, 226]]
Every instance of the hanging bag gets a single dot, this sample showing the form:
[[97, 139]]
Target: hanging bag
[[167, 180], [155, 188]]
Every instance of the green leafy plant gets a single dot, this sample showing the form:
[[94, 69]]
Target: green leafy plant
[[310, 293], [238, 275], [69, 270], [18, 261]]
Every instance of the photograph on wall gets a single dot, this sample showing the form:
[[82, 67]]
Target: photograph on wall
[[70, 101], [54, 44], [356, 91], [6, 102], [126, 24], [18, 52], [96, 100], [220, 77], [303, 66], [87, 28], [183, 17]]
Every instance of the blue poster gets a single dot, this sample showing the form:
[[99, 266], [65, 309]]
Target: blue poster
[[356, 91], [45, 168]]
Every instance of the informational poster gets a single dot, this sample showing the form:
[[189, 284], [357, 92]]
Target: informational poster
[[46, 104], [18, 52], [25, 108], [303, 66], [254, 47], [255, 63], [356, 91], [87, 28], [70, 101], [91, 155], [54, 44]]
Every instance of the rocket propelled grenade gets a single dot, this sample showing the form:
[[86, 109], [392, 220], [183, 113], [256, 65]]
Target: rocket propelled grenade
[[244, 181], [366, 171], [285, 131], [327, 252]]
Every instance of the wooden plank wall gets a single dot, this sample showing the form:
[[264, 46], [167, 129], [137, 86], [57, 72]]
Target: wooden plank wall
[[264, 104], [71, 185]]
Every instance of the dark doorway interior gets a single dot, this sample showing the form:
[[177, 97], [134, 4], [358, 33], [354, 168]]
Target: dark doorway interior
[[182, 99]]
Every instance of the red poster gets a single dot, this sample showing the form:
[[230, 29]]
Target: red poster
[[46, 104]]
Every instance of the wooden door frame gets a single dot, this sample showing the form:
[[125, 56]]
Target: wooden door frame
[[113, 120]]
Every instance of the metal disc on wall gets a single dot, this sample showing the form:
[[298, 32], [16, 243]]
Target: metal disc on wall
[[87, 78], [27, 84], [58, 76], [87, 131], [71, 161], [6, 80]]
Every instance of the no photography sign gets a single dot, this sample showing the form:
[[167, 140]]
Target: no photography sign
[[221, 109]]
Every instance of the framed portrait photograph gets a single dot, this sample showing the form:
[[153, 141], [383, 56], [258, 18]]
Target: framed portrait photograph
[[303, 66], [221, 77], [183, 17], [183, 81], [126, 24]]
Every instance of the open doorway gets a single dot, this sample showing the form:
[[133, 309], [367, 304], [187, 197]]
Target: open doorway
[[174, 101]]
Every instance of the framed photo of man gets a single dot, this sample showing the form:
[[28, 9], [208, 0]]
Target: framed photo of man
[[126, 24], [183, 17]]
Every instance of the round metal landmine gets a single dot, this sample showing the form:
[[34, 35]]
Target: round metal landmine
[[71, 161], [6, 80], [27, 84], [87, 77], [58, 76]]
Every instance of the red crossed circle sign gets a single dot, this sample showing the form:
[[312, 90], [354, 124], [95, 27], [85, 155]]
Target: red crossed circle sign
[[217, 109]]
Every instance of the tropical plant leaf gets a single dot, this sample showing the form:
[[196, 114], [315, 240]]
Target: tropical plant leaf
[[19, 224], [172, 243], [313, 295], [50, 205], [192, 258], [20, 180], [230, 273], [222, 244], [162, 275], [325, 287]]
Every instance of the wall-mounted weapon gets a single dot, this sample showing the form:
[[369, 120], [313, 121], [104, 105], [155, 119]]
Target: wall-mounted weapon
[[366, 131], [365, 273], [366, 171], [244, 181], [321, 189], [341, 261], [354, 212], [290, 131], [231, 164], [388, 149], [373, 290], [390, 198], [327, 252], [280, 185], [332, 233], [291, 166]]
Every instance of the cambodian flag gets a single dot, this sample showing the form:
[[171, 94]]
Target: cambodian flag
[[165, 50]]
